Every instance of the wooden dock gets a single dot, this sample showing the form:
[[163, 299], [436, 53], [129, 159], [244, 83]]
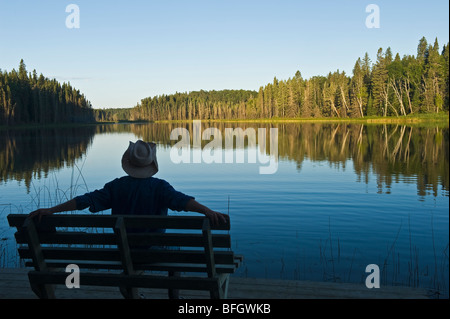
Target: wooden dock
[[14, 285]]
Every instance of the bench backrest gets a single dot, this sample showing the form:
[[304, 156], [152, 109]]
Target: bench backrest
[[124, 242]]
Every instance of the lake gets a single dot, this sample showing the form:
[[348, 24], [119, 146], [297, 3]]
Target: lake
[[342, 195]]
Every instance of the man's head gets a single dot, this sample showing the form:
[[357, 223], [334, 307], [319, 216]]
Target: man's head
[[139, 160]]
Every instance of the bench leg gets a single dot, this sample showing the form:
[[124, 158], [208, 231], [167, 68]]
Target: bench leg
[[43, 291], [129, 293], [221, 290], [174, 293], [216, 293], [225, 287]]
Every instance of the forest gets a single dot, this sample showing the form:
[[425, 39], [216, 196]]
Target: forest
[[389, 86], [26, 98]]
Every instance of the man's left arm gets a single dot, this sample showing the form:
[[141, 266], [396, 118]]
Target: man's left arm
[[179, 201]]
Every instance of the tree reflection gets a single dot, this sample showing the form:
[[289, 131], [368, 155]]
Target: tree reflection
[[28, 153], [391, 152]]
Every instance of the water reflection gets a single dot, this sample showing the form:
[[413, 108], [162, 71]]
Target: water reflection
[[28, 153], [391, 152]]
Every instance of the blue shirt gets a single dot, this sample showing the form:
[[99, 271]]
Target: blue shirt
[[134, 196]]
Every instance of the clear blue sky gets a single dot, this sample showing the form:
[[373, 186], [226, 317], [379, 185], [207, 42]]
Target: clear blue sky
[[127, 50]]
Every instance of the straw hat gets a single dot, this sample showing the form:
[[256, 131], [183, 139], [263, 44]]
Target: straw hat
[[139, 160]]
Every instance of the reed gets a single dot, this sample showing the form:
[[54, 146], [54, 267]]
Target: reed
[[432, 276], [53, 193], [47, 195]]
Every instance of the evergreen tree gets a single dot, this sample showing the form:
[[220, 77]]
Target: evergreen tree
[[380, 89], [31, 99], [358, 89]]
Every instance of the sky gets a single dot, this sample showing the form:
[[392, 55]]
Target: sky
[[124, 51]]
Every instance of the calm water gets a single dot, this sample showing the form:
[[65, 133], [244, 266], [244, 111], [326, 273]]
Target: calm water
[[343, 195]]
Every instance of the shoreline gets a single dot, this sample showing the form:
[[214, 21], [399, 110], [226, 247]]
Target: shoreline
[[438, 119]]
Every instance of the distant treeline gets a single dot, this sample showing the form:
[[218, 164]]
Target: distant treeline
[[390, 86], [32, 99], [223, 104]]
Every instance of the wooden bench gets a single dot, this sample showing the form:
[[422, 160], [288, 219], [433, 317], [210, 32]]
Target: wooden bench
[[125, 251]]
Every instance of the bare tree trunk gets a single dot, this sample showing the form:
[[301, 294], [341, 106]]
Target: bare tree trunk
[[385, 95], [407, 86], [360, 106], [334, 108], [436, 86], [344, 100], [329, 98], [399, 94]]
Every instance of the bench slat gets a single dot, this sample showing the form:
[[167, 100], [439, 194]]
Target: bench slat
[[108, 221], [144, 239], [180, 267], [138, 256]]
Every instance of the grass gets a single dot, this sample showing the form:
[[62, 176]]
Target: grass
[[432, 119], [441, 118], [339, 263], [42, 196], [51, 195], [432, 276]]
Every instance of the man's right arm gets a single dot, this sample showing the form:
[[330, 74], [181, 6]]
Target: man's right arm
[[64, 207], [215, 217]]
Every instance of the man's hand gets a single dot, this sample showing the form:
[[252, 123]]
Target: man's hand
[[216, 218], [64, 207]]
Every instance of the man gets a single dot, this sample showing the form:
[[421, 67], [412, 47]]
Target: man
[[138, 193]]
